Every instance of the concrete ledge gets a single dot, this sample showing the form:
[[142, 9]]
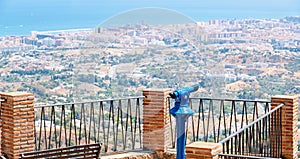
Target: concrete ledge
[[130, 155], [141, 155], [203, 149]]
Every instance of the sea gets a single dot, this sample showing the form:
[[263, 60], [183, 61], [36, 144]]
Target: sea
[[19, 17]]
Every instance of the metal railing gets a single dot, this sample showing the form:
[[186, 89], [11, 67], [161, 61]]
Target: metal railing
[[117, 123], [216, 119], [259, 139]]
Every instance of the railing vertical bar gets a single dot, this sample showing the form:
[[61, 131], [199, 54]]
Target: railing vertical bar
[[131, 124], [171, 124], [208, 119], [224, 118], [139, 120], [231, 146], [113, 124], [256, 105], [84, 123], [122, 126], [235, 118], [203, 121], [244, 114], [51, 121], [224, 148], [35, 134], [65, 125], [90, 124], [55, 131], [227, 146], [40, 133], [230, 123], [236, 144], [129, 120], [271, 132], [126, 126], [71, 125], [198, 122], [255, 139], [250, 140], [103, 126], [267, 126], [263, 137], [254, 111], [75, 126], [220, 120], [242, 143], [99, 122], [241, 147], [213, 120], [259, 138], [117, 126], [108, 127], [94, 122], [280, 131], [45, 129], [192, 117], [135, 125], [61, 125], [80, 124]]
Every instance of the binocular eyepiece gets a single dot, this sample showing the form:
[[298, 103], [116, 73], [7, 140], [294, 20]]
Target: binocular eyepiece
[[190, 89]]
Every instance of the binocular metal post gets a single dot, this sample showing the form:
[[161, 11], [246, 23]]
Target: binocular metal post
[[181, 111]]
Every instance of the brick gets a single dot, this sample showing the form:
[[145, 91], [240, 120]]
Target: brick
[[18, 123], [154, 120], [289, 124]]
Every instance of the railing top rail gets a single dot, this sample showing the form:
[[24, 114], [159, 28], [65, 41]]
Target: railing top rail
[[252, 123], [93, 101], [243, 156], [227, 99]]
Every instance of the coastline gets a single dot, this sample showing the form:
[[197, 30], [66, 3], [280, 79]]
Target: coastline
[[25, 30]]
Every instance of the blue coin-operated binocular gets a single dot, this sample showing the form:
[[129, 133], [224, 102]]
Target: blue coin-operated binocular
[[181, 111]]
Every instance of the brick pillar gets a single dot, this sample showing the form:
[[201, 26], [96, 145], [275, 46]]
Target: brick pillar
[[0, 126], [204, 150], [289, 121], [17, 115], [156, 120]]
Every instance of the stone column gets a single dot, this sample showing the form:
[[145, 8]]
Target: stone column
[[156, 120], [0, 126], [204, 150], [17, 115], [289, 119]]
